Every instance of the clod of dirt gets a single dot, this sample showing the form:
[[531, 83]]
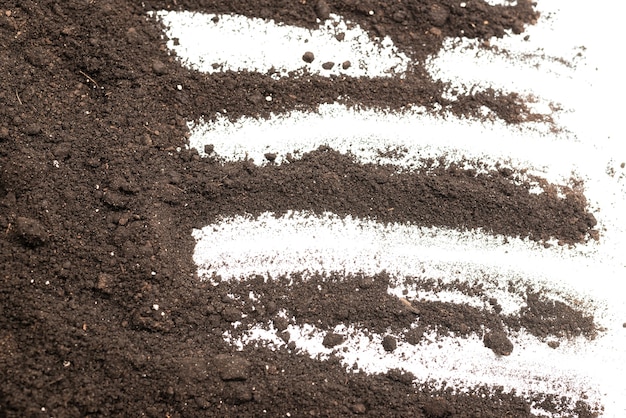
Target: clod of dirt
[[31, 232], [553, 344], [232, 367], [437, 407], [359, 408], [170, 194], [498, 342], [193, 369], [4, 133], [285, 336], [517, 27], [367, 282], [37, 57], [331, 339], [62, 151], [322, 10], [281, 324], [256, 98], [401, 376], [271, 307], [120, 184], [133, 37], [308, 57], [146, 319], [159, 68], [497, 308], [115, 200], [33, 129], [380, 30], [209, 148], [270, 156], [10, 200], [435, 31], [231, 314], [104, 282], [328, 65], [389, 343], [238, 393], [414, 336], [346, 64], [438, 14]]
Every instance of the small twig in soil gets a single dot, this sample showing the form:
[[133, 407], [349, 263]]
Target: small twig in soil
[[18, 97], [151, 131], [409, 306], [89, 78]]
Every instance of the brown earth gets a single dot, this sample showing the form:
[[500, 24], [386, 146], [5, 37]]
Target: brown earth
[[97, 208]]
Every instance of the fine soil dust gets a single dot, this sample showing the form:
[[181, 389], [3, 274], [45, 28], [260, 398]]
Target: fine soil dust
[[98, 199]]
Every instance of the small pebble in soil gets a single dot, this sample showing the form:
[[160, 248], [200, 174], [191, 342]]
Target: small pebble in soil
[[308, 57], [270, 156], [346, 64], [328, 65]]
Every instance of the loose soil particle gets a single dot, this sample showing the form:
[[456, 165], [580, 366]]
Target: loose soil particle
[[97, 207]]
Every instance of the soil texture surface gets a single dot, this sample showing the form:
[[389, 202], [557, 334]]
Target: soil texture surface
[[102, 312]]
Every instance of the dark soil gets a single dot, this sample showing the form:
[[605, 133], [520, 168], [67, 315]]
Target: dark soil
[[97, 209]]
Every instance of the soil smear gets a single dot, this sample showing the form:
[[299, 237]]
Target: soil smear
[[101, 309]]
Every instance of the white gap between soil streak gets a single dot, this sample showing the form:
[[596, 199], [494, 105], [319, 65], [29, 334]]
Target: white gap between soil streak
[[215, 43], [559, 64]]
